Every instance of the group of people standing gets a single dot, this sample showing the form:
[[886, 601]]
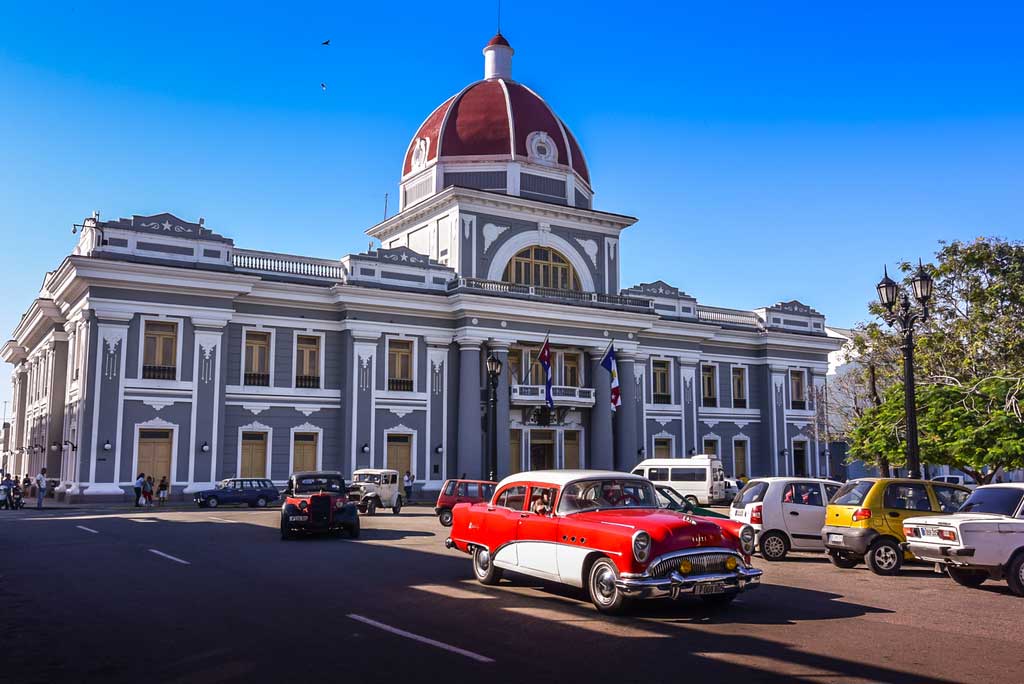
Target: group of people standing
[[11, 484], [144, 490]]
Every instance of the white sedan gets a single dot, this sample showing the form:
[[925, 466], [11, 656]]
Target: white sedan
[[984, 540]]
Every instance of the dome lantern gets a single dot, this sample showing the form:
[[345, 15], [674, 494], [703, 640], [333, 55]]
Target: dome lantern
[[498, 58]]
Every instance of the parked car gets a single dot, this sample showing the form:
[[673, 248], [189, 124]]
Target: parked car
[[984, 540], [375, 488], [317, 502], [956, 479], [256, 493], [605, 532], [670, 499], [787, 513], [864, 520], [732, 488], [461, 491], [700, 479]]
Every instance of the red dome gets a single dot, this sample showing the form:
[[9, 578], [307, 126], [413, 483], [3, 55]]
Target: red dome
[[495, 117]]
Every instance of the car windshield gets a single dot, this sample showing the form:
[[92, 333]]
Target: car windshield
[[367, 477], [994, 500], [315, 483], [852, 493], [752, 493], [602, 494], [668, 498]]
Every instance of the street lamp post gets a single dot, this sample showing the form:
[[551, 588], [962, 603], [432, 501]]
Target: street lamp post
[[493, 375], [903, 316]]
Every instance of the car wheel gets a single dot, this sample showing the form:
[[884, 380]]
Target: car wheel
[[692, 500], [1015, 574], [841, 560], [445, 517], [371, 507], [261, 502], [884, 557], [967, 578], [605, 596], [484, 569], [397, 508], [774, 546], [212, 502], [719, 599], [286, 533], [353, 529]]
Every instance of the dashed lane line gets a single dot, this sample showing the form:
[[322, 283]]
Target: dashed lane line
[[422, 639], [87, 529], [222, 519], [170, 557]]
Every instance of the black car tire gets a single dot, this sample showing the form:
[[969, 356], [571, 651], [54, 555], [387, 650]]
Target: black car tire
[[774, 546], [1015, 574], [719, 600], [486, 572], [353, 529], [605, 596], [261, 502], [286, 532], [445, 517], [692, 499], [212, 502], [841, 560], [884, 557], [371, 507], [397, 508], [967, 578]]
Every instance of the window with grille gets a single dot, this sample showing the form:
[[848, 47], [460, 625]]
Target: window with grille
[[739, 387], [798, 390], [515, 367], [307, 361], [541, 267], [257, 358], [160, 350], [571, 370], [661, 381], [709, 385], [400, 366]]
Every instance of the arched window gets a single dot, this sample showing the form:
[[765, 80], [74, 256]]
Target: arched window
[[541, 267]]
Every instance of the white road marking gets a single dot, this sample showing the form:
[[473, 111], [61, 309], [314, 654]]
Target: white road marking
[[452, 592], [87, 529], [222, 519], [169, 557], [422, 639], [143, 520]]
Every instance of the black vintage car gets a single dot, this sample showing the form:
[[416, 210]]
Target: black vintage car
[[318, 502]]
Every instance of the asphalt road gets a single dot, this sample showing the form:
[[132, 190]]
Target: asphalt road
[[214, 596]]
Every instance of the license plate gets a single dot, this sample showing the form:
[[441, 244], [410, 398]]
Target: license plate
[[927, 532], [710, 588], [296, 518], [835, 539]]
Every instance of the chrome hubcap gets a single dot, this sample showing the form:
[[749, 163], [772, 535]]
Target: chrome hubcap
[[885, 557], [774, 546], [604, 585], [1020, 574], [483, 561]]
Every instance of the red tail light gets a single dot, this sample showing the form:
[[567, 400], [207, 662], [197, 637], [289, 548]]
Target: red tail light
[[755, 515], [861, 514], [947, 535]]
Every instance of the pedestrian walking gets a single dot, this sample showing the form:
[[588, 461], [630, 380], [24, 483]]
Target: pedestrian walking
[[147, 491], [40, 487], [407, 485], [8, 485], [162, 491], [139, 481]]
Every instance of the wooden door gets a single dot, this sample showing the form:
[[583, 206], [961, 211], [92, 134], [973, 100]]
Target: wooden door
[[572, 449], [542, 449], [399, 454], [254, 454], [304, 452], [515, 450], [154, 455], [662, 448], [739, 465]]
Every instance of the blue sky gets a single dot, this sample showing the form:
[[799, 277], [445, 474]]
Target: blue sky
[[770, 150]]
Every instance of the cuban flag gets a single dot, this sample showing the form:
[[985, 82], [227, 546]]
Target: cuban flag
[[608, 363], [545, 361]]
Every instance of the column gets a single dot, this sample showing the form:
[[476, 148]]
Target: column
[[471, 453], [599, 440], [777, 382], [688, 405], [820, 406], [625, 416], [201, 466], [107, 406], [500, 350]]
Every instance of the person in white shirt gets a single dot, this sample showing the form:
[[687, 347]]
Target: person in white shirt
[[139, 482], [407, 481], [40, 487]]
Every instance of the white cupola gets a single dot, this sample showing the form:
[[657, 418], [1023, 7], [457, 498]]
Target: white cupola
[[498, 58]]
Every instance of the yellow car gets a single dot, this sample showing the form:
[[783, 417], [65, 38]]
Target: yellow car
[[864, 520]]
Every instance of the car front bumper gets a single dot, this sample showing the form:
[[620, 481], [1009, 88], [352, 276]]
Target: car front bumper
[[854, 540], [676, 584]]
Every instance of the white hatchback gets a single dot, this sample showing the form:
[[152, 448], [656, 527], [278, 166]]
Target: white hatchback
[[786, 512]]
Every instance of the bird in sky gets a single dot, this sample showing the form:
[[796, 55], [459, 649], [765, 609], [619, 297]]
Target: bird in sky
[[323, 86], [326, 42]]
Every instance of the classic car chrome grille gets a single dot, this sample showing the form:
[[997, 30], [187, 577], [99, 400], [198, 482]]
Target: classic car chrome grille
[[320, 509], [703, 563]]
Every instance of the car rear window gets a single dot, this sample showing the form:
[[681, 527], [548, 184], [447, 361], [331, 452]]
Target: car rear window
[[950, 498], [752, 493], [907, 497], [852, 493], [689, 474]]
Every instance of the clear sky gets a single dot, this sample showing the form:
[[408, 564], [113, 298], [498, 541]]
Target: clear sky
[[770, 150]]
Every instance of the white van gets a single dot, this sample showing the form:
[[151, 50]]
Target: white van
[[699, 479]]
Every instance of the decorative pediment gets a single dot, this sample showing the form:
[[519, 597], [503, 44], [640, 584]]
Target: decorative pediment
[[156, 423], [403, 256], [795, 307], [167, 224], [659, 288]]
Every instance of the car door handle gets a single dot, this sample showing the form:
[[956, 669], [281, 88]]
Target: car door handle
[[524, 515], [793, 513]]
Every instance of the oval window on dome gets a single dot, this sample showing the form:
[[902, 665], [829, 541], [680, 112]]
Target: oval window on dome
[[541, 148], [542, 267]]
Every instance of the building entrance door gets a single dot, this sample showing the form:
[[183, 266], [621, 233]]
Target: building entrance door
[[800, 459], [399, 456], [571, 440], [542, 449], [304, 451], [155, 454], [515, 451], [254, 455], [739, 459], [662, 448]]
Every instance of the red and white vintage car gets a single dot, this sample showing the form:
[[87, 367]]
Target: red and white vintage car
[[605, 532]]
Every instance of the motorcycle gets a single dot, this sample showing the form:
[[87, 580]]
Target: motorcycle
[[17, 501]]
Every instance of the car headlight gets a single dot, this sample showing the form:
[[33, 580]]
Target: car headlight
[[747, 539], [641, 546], [731, 563]]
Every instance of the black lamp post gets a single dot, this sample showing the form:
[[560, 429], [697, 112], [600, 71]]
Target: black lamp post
[[493, 374], [903, 316]]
